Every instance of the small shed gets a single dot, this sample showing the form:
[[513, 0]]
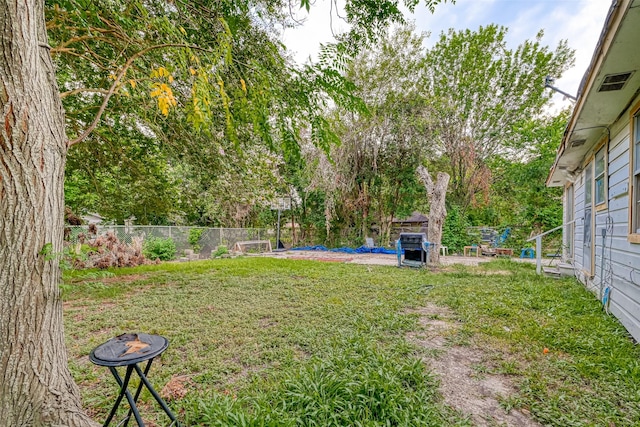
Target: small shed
[[92, 218], [416, 223]]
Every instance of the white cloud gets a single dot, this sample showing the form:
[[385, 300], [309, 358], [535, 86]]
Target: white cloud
[[320, 25], [582, 28]]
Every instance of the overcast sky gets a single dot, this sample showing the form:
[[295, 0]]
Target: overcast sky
[[578, 21]]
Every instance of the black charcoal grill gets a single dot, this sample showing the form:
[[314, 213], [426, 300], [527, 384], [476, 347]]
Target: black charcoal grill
[[413, 249]]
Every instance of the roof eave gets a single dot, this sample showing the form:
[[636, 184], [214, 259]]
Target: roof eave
[[612, 23]]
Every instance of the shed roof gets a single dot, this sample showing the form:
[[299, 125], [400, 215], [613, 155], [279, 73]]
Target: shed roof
[[414, 217]]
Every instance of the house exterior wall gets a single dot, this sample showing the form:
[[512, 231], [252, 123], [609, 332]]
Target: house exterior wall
[[617, 261], [579, 224]]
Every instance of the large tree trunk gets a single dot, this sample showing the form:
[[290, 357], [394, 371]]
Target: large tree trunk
[[36, 387], [436, 192]]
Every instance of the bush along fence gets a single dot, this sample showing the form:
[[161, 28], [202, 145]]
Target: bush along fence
[[199, 240]]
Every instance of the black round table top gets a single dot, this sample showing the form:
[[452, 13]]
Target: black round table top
[[128, 349]]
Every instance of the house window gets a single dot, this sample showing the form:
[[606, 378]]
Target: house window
[[600, 182], [636, 174], [588, 188], [569, 209]]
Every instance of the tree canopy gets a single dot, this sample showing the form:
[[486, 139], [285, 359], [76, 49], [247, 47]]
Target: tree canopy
[[482, 92], [189, 87], [471, 106], [372, 176], [462, 107]]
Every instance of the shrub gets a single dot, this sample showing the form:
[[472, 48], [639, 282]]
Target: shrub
[[75, 255], [194, 238], [220, 250], [454, 231], [158, 248], [102, 252]]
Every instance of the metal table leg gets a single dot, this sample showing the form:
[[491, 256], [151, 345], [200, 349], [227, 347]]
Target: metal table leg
[[138, 390], [143, 378], [124, 392]]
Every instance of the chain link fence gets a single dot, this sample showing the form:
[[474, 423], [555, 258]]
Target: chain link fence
[[209, 240]]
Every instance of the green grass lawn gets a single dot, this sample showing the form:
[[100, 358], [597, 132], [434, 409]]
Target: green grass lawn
[[271, 342]]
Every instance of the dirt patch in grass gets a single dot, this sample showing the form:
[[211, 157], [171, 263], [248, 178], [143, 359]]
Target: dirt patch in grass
[[267, 322], [465, 385], [497, 273], [83, 305]]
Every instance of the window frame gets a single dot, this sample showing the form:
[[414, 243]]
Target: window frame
[[603, 176], [634, 175], [569, 233]]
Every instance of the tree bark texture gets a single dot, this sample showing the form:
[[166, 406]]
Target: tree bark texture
[[36, 387], [436, 193]]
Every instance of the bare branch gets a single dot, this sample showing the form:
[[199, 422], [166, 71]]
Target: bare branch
[[426, 179], [81, 90], [62, 47], [292, 15], [72, 52]]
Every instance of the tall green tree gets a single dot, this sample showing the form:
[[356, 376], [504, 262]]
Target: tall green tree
[[125, 174], [217, 60], [181, 107], [482, 91]]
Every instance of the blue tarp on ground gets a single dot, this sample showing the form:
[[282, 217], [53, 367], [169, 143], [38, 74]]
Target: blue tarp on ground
[[360, 250]]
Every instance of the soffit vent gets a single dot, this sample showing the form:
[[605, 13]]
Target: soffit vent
[[613, 82], [578, 142]]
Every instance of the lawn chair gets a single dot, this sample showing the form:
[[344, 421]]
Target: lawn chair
[[501, 238]]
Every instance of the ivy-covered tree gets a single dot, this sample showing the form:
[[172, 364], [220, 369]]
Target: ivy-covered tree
[[372, 177]]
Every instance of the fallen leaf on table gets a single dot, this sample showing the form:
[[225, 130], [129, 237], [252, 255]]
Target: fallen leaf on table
[[135, 346]]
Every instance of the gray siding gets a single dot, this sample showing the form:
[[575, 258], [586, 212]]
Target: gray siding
[[579, 224], [618, 265]]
